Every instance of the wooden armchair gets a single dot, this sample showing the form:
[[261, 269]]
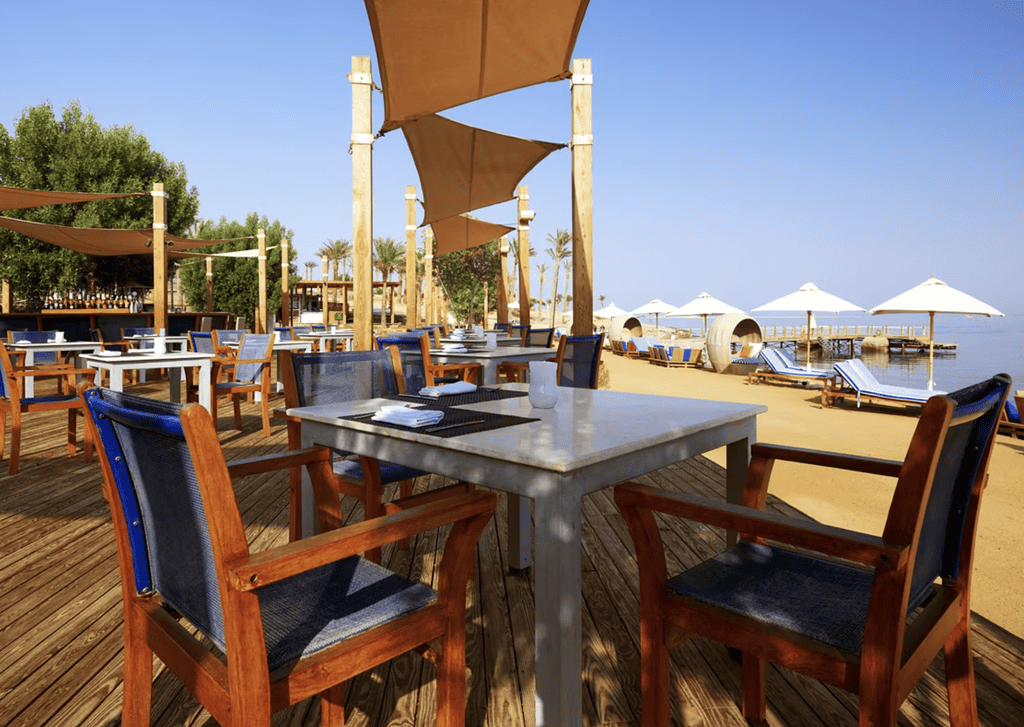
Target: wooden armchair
[[287, 623], [13, 403], [867, 614], [251, 374], [532, 338], [1010, 420]]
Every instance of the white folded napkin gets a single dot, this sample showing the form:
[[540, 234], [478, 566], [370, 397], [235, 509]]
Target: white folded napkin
[[21, 342], [454, 347], [457, 334], [108, 353], [457, 387], [408, 417]]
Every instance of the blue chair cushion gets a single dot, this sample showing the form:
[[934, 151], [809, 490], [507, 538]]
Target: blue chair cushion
[[311, 611], [1011, 411], [822, 599], [388, 472], [50, 399]]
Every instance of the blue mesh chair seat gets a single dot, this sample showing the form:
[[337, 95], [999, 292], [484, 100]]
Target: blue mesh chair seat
[[250, 374], [863, 613], [336, 377], [12, 403], [288, 617]]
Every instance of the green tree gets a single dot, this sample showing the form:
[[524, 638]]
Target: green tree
[[74, 153], [235, 279], [388, 255], [462, 275], [560, 252]]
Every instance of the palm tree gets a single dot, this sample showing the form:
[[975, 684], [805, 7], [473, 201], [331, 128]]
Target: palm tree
[[540, 293], [388, 256], [310, 269], [600, 299], [559, 252]]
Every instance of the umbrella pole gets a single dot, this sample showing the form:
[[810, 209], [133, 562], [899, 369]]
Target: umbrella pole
[[931, 347], [808, 340]]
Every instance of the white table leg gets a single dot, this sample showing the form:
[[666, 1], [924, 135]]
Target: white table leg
[[557, 601], [205, 370], [29, 382]]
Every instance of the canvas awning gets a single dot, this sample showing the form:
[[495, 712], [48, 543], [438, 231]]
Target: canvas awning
[[462, 233], [98, 241], [463, 168], [13, 198], [432, 58], [249, 253]]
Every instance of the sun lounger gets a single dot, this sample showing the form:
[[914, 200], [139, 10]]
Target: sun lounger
[[1010, 419], [781, 367], [618, 348], [638, 348], [853, 378]]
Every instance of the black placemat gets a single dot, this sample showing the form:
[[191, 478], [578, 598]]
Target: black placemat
[[465, 421], [474, 397]]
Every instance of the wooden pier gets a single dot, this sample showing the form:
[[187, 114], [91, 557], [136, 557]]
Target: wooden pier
[[902, 339], [61, 617]]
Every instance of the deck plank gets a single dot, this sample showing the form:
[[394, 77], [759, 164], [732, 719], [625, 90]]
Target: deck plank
[[61, 633]]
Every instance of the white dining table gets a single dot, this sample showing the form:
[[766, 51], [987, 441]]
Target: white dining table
[[174, 361], [345, 336], [58, 347], [490, 358], [588, 441]]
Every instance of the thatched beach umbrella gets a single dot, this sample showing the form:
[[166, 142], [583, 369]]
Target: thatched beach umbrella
[[931, 297], [809, 299]]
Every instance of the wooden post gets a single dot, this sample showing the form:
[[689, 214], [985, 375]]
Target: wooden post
[[523, 243], [503, 281], [323, 290], [261, 309], [411, 314], [209, 283], [582, 199], [159, 257], [362, 202], [487, 301], [6, 297], [430, 311], [286, 269]]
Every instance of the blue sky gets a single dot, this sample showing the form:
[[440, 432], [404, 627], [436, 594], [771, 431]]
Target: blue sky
[[741, 147]]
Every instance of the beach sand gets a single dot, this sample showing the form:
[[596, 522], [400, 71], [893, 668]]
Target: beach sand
[[851, 500]]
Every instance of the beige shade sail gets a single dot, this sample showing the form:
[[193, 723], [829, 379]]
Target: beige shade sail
[[13, 198], [435, 55], [463, 168], [461, 233], [97, 241], [250, 253]]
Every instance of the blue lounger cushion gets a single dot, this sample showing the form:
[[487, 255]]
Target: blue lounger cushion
[[1011, 412]]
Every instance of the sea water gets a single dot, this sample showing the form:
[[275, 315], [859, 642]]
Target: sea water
[[985, 346]]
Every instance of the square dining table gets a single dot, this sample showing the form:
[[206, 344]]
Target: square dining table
[[59, 347], [490, 358], [174, 361], [588, 441]]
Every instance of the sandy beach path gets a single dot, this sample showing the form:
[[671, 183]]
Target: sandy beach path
[[850, 500]]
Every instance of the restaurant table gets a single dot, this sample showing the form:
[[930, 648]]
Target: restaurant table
[[174, 343], [588, 441], [490, 358], [174, 361], [55, 346], [346, 337]]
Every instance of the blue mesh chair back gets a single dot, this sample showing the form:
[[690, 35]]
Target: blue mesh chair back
[[580, 358], [228, 335], [284, 333], [540, 337], [161, 504], [503, 327], [253, 346], [41, 358], [127, 332], [301, 329], [967, 443], [3, 378], [410, 350], [318, 328], [516, 331], [334, 377], [201, 342]]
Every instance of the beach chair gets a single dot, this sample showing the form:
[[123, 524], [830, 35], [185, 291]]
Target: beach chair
[[658, 355], [685, 358], [250, 374], [1010, 420], [13, 403], [864, 613], [853, 378], [637, 348], [251, 633], [781, 368], [333, 378]]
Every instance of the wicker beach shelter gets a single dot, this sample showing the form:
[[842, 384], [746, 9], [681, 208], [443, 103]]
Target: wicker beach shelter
[[701, 307], [726, 329], [931, 297], [809, 298]]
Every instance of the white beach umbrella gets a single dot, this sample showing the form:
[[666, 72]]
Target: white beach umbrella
[[809, 298], [703, 306], [931, 297], [609, 311], [655, 308]]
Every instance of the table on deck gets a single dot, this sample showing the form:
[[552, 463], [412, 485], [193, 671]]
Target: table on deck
[[490, 358], [174, 361], [588, 441], [322, 337], [58, 347]]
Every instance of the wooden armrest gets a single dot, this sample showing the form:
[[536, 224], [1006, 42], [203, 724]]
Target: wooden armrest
[[278, 461], [839, 542], [429, 497], [835, 460], [281, 414], [50, 372], [270, 566]]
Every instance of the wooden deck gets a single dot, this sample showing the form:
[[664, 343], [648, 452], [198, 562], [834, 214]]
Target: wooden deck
[[60, 615]]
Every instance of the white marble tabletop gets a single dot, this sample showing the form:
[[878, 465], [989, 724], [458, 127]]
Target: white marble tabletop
[[588, 441]]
